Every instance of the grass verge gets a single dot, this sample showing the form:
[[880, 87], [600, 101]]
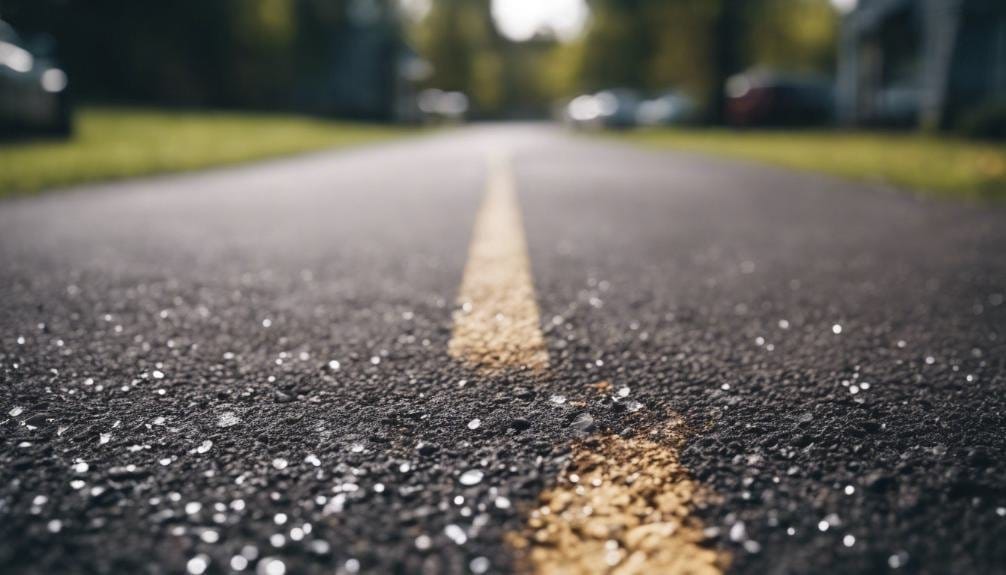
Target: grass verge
[[112, 143], [946, 167]]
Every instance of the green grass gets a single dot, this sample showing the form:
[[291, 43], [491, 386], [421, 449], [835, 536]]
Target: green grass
[[111, 143], [945, 167]]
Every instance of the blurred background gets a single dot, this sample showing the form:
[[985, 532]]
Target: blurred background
[[913, 63], [932, 66]]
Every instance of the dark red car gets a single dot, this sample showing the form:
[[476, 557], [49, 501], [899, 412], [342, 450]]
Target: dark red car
[[776, 99]]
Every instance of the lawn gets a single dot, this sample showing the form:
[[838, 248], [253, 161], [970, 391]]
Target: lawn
[[111, 143], [946, 167]]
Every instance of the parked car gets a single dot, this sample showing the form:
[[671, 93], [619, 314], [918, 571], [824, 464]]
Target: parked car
[[762, 98], [895, 105], [33, 87], [614, 108], [668, 109], [439, 106]]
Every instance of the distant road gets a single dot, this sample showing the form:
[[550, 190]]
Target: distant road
[[501, 348]]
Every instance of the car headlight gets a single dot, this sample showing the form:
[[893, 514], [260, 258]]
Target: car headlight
[[54, 80]]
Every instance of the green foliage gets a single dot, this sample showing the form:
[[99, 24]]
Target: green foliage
[[648, 45], [263, 53], [468, 54], [616, 46], [220, 53], [117, 143], [459, 39], [654, 45], [792, 35], [487, 86], [449, 37], [682, 46]]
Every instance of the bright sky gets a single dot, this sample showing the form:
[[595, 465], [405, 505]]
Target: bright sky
[[844, 6], [520, 19]]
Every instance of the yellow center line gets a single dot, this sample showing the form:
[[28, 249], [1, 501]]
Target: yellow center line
[[623, 505], [496, 326]]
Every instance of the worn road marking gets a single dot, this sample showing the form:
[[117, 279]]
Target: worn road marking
[[497, 327], [623, 505]]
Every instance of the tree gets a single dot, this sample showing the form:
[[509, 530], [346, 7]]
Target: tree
[[695, 45], [792, 34]]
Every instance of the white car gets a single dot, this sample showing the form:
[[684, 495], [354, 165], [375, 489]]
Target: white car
[[614, 108], [672, 108]]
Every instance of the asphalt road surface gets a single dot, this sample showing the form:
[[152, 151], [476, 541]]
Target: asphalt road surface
[[499, 349]]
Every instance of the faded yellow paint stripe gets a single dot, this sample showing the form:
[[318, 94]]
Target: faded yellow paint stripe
[[622, 507], [497, 325]]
